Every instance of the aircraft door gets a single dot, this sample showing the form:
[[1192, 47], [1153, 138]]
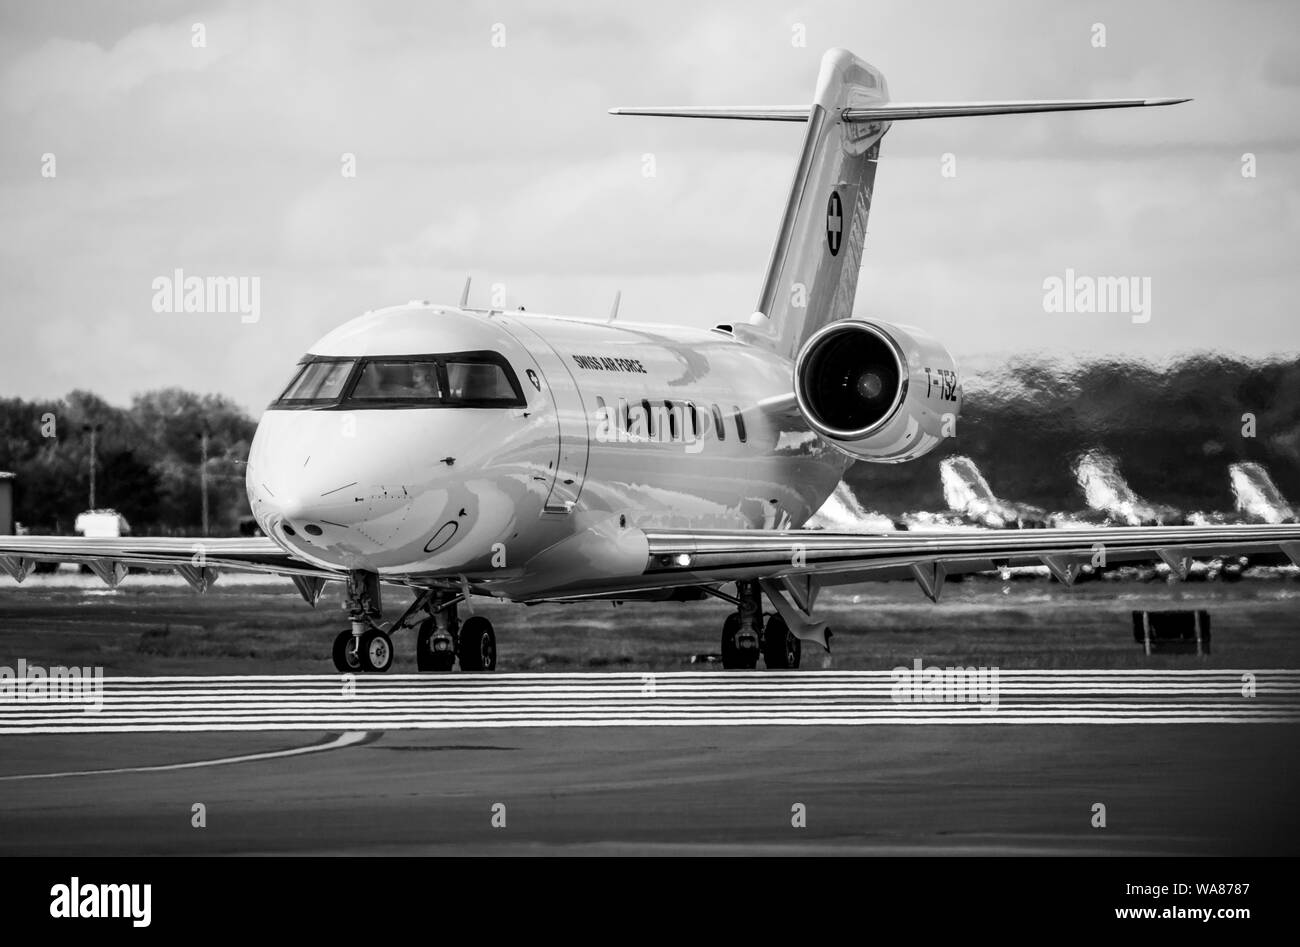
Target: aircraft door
[[570, 468]]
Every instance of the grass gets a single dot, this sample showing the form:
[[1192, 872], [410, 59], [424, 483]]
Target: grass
[[151, 625]]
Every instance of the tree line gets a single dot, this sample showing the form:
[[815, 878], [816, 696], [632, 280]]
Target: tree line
[[147, 460], [1174, 428]]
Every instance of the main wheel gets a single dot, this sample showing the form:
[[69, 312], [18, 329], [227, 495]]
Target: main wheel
[[427, 659], [346, 660], [478, 645], [735, 658], [376, 651], [781, 648]]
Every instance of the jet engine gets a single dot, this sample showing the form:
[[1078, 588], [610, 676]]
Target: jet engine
[[878, 392]]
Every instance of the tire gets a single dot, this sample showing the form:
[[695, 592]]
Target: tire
[[733, 658], [478, 645], [376, 651], [426, 659], [344, 662], [781, 649]]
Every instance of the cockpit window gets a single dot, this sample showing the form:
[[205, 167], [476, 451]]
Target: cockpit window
[[478, 381], [397, 381], [318, 381], [461, 379]]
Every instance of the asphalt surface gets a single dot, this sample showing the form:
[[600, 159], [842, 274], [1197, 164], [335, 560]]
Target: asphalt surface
[[923, 783]]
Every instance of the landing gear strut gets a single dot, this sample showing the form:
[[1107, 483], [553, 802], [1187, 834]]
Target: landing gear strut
[[441, 639], [435, 638], [743, 629], [744, 636]]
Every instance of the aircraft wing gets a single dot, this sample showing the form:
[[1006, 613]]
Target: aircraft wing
[[679, 557], [198, 561], [793, 565]]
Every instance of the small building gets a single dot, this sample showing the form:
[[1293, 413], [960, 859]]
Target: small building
[[6, 503]]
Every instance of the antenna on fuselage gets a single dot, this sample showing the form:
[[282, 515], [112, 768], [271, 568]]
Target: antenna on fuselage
[[464, 293], [613, 310]]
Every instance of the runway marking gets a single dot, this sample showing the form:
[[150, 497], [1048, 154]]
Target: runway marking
[[637, 699], [338, 743]]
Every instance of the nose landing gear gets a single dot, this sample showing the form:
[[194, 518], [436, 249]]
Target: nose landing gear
[[364, 645], [367, 646], [371, 651]]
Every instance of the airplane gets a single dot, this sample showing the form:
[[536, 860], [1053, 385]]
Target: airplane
[[459, 451], [844, 511], [1111, 501], [1256, 498], [972, 503]]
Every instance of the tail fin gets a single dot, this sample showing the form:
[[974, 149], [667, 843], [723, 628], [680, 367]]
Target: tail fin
[[812, 276], [964, 487], [1257, 495]]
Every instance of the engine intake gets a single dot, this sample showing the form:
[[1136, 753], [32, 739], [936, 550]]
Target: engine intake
[[878, 392]]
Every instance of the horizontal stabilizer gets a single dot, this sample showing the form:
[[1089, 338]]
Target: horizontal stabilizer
[[755, 113], [892, 111]]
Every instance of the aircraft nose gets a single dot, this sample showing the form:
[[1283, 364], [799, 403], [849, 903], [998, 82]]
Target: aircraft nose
[[375, 494]]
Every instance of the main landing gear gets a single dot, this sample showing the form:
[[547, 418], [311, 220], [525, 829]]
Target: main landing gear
[[440, 638], [745, 637]]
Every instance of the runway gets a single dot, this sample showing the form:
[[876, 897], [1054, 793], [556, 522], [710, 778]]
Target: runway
[[691, 699], [696, 762]]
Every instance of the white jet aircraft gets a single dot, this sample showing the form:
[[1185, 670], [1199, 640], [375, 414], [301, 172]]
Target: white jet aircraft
[[459, 451]]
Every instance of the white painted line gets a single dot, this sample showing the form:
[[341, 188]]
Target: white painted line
[[346, 739]]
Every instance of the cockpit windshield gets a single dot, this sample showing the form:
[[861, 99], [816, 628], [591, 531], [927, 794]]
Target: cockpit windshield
[[398, 381], [318, 381], [462, 379]]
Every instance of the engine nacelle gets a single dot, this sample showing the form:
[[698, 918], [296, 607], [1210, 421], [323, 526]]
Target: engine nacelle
[[877, 392]]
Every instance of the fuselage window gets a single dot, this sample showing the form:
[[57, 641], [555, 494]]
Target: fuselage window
[[718, 424], [740, 423]]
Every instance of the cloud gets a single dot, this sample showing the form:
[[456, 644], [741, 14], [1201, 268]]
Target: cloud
[[501, 162]]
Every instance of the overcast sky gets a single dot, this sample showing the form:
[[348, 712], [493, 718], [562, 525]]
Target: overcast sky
[[500, 162]]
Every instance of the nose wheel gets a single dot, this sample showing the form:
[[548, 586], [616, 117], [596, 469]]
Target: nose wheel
[[346, 658], [375, 649], [371, 652]]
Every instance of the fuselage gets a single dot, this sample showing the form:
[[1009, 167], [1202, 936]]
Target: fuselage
[[426, 442]]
